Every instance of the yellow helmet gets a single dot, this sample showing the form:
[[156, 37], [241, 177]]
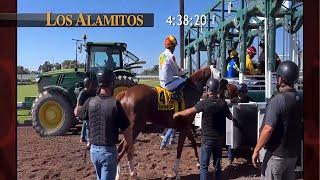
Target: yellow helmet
[[233, 53], [170, 41]]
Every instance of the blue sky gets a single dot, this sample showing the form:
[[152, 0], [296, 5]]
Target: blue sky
[[35, 45]]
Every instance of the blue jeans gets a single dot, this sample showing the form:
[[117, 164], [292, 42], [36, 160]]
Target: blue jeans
[[85, 130], [169, 134], [104, 160], [206, 150]]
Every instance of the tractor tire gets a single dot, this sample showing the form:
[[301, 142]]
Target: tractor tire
[[52, 114], [122, 83]]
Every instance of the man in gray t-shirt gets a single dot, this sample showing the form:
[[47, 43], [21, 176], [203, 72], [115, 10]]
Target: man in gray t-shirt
[[282, 127]]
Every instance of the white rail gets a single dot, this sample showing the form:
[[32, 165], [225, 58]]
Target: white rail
[[147, 77]]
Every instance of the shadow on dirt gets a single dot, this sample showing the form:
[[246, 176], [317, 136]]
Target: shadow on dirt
[[241, 170], [152, 128], [195, 176], [231, 172]]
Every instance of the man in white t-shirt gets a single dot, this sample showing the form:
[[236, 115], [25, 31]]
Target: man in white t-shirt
[[169, 71]]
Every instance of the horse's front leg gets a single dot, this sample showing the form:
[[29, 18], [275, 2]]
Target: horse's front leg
[[194, 145], [182, 138]]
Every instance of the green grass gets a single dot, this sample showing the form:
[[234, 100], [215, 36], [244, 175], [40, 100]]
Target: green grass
[[31, 90], [22, 92], [26, 90], [23, 115], [152, 83]]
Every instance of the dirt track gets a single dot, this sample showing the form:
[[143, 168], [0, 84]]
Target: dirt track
[[62, 158]]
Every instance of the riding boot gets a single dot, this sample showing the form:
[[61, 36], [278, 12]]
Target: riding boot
[[176, 95]]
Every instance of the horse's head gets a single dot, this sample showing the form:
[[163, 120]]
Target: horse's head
[[195, 84], [200, 78]]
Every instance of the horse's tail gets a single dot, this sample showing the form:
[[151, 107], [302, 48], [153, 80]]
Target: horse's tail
[[120, 95]]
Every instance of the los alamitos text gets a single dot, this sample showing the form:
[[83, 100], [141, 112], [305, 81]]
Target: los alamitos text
[[99, 20]]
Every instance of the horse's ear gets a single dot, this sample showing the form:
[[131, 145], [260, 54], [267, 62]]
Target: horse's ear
[[207, 72]]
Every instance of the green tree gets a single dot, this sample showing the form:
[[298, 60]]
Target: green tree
[[22, 70], [153, 71], [47, 66], [57, 66]]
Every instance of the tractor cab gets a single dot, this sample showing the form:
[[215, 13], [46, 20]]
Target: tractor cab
[[52, 110], [101, 55]]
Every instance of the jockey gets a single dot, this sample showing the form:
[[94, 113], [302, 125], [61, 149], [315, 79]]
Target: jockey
[[232, 67], [249, 65], [169, 71]]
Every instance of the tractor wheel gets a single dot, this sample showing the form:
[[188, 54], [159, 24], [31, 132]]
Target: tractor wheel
[[52, 114], [122, 84]]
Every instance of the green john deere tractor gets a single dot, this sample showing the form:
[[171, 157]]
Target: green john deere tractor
[[52, 111]]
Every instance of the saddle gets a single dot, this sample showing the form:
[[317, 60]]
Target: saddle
[[167, 102]]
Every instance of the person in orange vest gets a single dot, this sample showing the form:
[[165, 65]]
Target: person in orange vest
[[251, 52]]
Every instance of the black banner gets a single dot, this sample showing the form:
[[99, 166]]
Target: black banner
[[77, 19]]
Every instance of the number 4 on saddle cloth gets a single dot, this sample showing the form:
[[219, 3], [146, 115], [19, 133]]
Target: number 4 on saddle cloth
[[166, 102]]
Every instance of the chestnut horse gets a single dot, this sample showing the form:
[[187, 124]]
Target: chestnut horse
[[140, 104], [227, 91]]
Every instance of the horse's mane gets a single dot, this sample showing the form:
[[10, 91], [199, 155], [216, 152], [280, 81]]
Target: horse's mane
[[201, 76], [121, 95]]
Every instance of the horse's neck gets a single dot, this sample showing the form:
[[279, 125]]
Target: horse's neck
[[194, 87], [192, 95]]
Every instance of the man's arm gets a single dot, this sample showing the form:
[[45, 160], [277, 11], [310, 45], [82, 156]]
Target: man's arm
[[175, 66], [270, 121], [82, 111], [200, 106], [251, 68], [78, 103], [186, 113], [75, 111], [263, 139]]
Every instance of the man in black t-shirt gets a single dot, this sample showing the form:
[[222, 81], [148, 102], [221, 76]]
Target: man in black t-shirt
[[215, 111], [86, 93]]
